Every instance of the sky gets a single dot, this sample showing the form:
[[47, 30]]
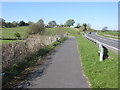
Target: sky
[[97, 14]]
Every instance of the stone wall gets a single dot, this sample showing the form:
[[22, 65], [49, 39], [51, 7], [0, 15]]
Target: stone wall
[[14, 53]]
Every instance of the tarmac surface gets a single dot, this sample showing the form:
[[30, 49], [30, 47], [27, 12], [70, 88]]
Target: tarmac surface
[[61, 70]]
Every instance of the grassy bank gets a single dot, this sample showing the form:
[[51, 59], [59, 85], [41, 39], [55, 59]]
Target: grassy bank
[[71, 30], [113, 33], [100, 74], [9, 32], [102, 34], [18, 72], [62, 30]]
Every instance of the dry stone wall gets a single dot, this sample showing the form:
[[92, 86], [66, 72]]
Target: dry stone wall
[[14, 53]]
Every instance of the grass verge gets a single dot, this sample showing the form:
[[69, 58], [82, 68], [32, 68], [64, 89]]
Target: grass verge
[[100, 74], [102, 34], [18, 72], [59, 30], [9, 41]]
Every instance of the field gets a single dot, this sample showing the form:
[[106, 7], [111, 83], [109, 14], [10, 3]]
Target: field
[[100, 74], [112, 33], [65, 29], [71, 30], [9, 32]]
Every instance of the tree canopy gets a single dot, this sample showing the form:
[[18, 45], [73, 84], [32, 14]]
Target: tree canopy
[[85, 26], [70, 22], [52, 23], [78, 25], [41, 21], [22, 23], [2, 22], [104, 28]]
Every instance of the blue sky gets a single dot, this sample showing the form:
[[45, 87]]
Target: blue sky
[[97, 14]]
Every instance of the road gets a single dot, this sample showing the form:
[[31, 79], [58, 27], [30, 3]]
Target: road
[[106, 41], [61, 70]]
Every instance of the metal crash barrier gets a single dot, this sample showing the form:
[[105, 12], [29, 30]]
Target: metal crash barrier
[[100, 50]]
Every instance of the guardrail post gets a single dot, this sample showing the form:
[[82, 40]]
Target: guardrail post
[[101, 52]]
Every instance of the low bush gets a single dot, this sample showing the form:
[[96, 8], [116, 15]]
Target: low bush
[[17, 35], [36, 28]]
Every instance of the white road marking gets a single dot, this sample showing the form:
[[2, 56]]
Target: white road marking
[[109, 46], [107, 40], [107, 37]]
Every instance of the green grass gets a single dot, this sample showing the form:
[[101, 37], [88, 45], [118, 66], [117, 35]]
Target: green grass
[[102, 34], [100, 74], [9, 32], [70, 30], [53, 31], [114, 33], [9, 41], [60, 30]]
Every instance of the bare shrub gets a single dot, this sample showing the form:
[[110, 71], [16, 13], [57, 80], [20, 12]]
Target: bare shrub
[[36, 28]]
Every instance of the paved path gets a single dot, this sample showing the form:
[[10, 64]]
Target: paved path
[[64, 70]]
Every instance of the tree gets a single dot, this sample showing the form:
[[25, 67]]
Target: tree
[[21, 23], [78, 25], [104, 29], [17, 35], [14, 24], [89, 27], [8, 24], [41, 21], [2, 22], [26, 24], [30, 22], [70, 22], [61, 25], [52, 23], [85, 27]]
